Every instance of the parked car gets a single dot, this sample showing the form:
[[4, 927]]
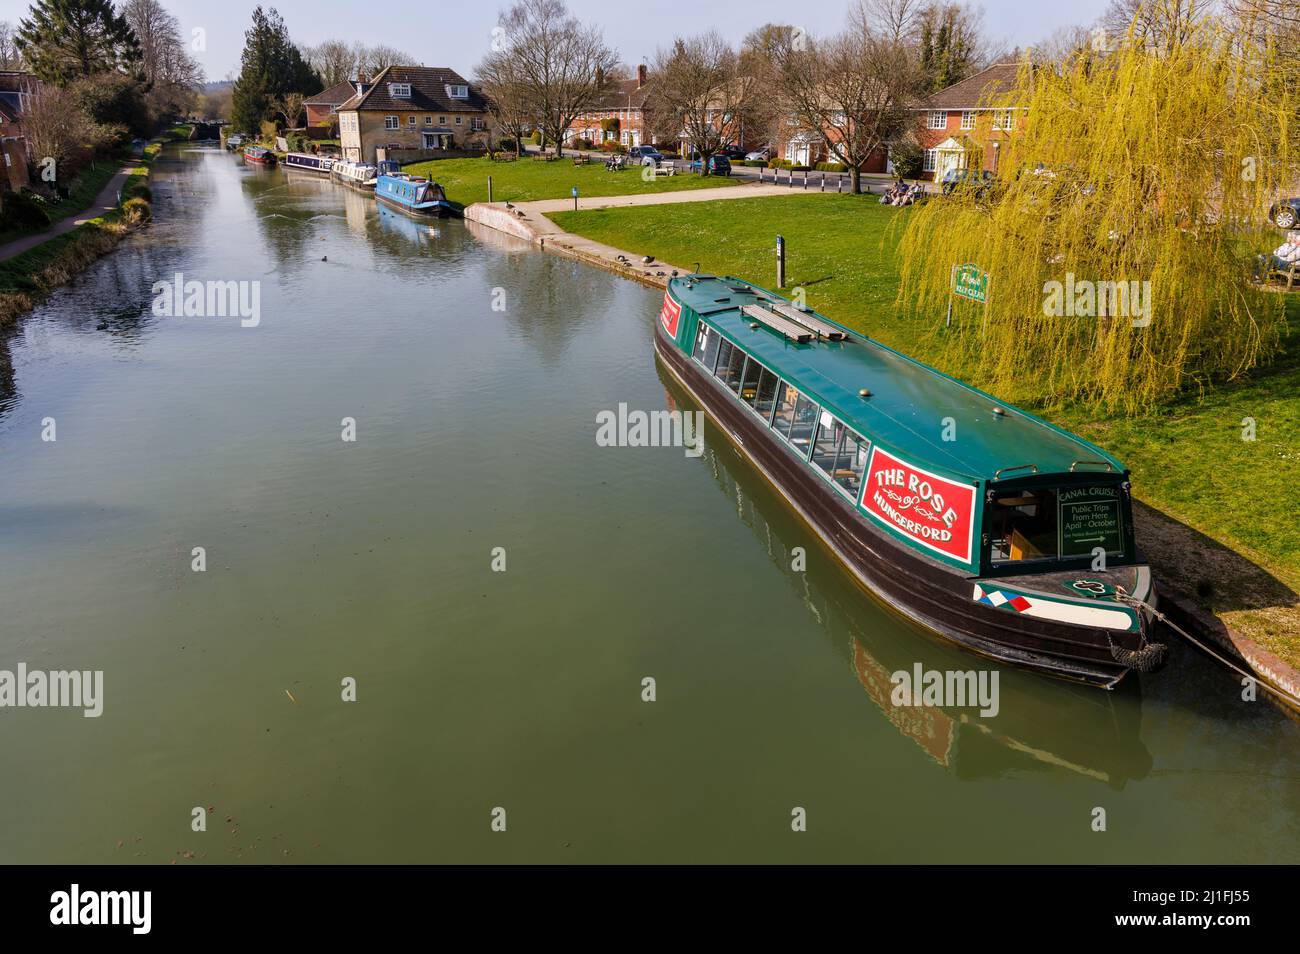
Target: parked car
[[645, 155], [718, 166], [759, 155], [978, 179], [734, 153], [1285, 214]]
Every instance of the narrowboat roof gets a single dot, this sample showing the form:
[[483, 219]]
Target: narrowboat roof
[[908, 400]]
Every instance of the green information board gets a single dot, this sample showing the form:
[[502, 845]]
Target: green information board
[[969, 281], [1090, 518]]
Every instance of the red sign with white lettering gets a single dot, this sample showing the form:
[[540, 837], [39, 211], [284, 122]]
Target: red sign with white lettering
[[669, 314], [935, 512]]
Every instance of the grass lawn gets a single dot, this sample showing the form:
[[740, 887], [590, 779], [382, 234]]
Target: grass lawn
[[1188, 458], [465, 180]]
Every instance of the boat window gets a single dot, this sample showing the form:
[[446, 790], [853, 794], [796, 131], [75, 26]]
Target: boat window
[[840, 452], [795, 417], [706, 345], [1023, 526], [731, 364], [766, 400], [749, 382]]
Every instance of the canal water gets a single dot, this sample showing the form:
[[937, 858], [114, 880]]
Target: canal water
[[474, 369]]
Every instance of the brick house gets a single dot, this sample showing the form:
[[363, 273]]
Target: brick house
[[414, 108], [17, 91], [963, 127], [322, 109], [620, 116]]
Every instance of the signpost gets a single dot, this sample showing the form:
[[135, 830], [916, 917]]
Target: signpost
[[780, 262], [971, 282], [575, 198]]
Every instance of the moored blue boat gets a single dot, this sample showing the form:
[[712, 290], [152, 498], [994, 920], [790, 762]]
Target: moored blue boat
[[414, 195]]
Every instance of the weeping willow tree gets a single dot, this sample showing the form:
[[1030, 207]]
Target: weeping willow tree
[[1122, 232]]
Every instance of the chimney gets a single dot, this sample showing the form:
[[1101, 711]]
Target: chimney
[[640, 76]]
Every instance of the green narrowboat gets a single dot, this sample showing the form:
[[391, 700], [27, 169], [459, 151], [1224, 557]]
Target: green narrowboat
[[977, 520]]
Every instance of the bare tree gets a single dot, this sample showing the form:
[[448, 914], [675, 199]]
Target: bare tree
[[1277, 21], [1063, 44], [334, 60], [700, 82], [564, 66], [172, 75], [854, 92], [372, 60], [58, 128], [11, 58], [290, 107], [1155, 23], [509, 95], [897, 20]]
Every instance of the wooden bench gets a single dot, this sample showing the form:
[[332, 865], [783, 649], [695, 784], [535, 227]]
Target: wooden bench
[[504, 157], [581, 160], [665, 170], [1290, 275]]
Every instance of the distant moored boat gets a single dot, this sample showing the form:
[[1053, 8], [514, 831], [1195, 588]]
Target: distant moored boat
[[259, 155], [359, 174], [414, 195], [308, 162]]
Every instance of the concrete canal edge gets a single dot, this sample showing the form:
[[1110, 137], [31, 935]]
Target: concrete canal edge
[[526, 221], [532, 226]]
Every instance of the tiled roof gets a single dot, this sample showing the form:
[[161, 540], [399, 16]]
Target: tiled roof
[[338, 93], [428, 91], [982, 89], [624, 94]]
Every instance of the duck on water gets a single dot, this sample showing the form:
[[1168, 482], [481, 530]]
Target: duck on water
[[981, 522]]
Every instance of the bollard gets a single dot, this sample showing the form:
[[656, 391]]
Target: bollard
[[805, 180], [823, 182], [489, 189]]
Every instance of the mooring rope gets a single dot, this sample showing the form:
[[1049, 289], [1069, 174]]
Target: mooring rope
[[1255, 677]]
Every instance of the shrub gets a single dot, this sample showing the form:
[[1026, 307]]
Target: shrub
[[831, 167], [22, 210], [755, 163], [136, 211], [506, 145], [137, 187], [611, 145]]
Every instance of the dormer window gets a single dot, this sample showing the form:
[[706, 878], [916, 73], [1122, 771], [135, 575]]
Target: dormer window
[[458, 92], [399, 90]]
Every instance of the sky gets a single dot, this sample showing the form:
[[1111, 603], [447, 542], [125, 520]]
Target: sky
[[457, 33]]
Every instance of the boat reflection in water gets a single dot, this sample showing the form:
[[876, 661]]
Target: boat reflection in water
[[417, 232], [1040, 725]]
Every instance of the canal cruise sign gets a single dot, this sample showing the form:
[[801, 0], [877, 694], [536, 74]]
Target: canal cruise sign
[[978, 539]]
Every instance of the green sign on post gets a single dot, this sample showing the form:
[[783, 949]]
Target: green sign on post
[[969, 281]]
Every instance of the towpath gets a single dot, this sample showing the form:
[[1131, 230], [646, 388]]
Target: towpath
[[105, 201]]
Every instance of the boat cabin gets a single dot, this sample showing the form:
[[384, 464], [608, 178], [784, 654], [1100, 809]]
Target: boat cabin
[[949, 471]]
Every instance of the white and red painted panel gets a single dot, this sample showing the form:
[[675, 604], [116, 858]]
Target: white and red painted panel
[[937, 513]]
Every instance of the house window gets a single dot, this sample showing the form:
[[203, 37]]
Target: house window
[[458, 92], [442, 120], [478, 125], [399, 90], [1003, 119], [938, 119], [428, 120], [931, 156], [410, 120], [390, 122], [458, 120], [968, 119]]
